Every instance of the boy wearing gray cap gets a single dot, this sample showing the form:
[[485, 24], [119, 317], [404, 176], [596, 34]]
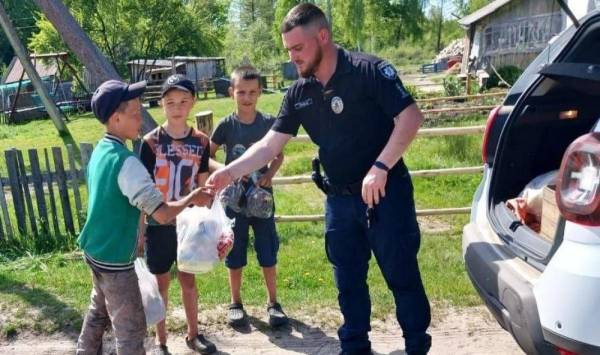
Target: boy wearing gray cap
[[119, 187]]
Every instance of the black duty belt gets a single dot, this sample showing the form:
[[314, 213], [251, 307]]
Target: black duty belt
[[330, 189]]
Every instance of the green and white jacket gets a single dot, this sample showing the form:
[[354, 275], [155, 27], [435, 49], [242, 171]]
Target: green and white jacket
[[119, 187]]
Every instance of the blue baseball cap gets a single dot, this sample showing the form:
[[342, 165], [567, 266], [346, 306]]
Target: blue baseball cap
[[179, 82], [111, 93]]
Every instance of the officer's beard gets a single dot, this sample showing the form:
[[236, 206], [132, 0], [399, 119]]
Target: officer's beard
[[311, 67]]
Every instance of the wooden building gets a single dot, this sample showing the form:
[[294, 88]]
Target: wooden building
[[194, 68], [514, 32]]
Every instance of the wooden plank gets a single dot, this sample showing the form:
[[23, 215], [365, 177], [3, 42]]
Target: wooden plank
[[50, 186], [63, 191], [450, 131], [15, 189], [462, 97], [4, 208], [447, 171], [302, 179], [458, 109], [25, 186], [38, 187], [86, 153], [75, 186], [426, 212], [424, 132]]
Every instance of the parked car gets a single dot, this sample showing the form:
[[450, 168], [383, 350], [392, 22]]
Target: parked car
[[545, 291]]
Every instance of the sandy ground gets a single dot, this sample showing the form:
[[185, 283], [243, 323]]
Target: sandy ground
[[465, 331]]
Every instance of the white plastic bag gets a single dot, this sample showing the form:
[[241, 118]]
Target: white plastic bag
[[154, 307], [199, 230], [534, 191]]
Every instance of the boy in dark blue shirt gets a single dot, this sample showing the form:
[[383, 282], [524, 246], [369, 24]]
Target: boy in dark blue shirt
[[238, 132]]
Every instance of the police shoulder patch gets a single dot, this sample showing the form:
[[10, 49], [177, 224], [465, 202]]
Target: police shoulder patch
[[387, 70]]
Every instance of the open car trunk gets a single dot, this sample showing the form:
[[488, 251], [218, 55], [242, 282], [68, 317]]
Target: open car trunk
[[538, 132]]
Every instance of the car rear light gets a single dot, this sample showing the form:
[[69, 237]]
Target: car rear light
[[578, 192], [486, 134], [562, 351]]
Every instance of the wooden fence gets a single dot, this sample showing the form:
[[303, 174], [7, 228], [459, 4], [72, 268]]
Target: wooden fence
[[54, 189], [47, 199]]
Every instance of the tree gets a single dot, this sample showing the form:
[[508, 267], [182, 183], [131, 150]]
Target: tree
[[465, 7], [351, 15], [23, 16], [128, 29], [282, 7], [254, 10]]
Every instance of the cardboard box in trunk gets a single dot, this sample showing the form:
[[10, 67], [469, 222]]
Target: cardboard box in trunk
[[550, 213]]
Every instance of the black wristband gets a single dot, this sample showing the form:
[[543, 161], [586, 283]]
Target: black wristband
[[381, 165]]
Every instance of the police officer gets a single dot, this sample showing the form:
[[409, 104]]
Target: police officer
[[355, 108]]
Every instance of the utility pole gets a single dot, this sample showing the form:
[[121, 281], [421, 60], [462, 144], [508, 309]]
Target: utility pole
[[85, 50], [21, 53]]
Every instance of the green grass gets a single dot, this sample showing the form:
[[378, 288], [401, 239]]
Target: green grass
[[85, 128], [50, 292]]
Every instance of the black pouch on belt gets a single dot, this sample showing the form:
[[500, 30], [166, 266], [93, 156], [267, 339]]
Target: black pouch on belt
[[316, 176]]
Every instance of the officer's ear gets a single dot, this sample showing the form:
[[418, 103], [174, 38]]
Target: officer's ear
[[324, 35], [230, 90]]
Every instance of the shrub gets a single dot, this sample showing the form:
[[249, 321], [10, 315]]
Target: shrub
[[510, 73], [413, 91], [453, 86]]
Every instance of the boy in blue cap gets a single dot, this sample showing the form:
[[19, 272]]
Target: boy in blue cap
[[119, 187]]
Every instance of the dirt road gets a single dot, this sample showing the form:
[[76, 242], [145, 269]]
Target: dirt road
[[466, 331]]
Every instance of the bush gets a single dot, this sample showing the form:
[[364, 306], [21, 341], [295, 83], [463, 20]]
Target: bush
[[453, 86], [413, 91], [510, 73]]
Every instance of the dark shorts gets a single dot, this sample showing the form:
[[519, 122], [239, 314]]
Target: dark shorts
[[161, 248], [266, 241]]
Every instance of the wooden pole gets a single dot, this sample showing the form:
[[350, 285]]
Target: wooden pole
[[204, 122], [21, 52], [85, 50]]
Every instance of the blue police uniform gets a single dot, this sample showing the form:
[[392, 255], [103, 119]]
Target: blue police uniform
[[351, 120]]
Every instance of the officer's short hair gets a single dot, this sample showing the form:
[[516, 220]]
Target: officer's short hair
[[303, 15], [245, 72]]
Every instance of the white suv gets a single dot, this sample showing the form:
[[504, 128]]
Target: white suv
[[544, 291]]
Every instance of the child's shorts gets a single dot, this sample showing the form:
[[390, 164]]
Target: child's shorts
[[266, 241], [161, 248]]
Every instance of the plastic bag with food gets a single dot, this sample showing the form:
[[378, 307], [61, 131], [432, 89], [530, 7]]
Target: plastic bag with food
[[205, 236]]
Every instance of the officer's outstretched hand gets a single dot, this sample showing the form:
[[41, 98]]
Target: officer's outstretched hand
[[219, 179], [373, 186]]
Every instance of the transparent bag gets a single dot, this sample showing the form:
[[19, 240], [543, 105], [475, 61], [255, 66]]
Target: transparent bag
[[259, 202], [154, 307], [231, 196], [201, 232]]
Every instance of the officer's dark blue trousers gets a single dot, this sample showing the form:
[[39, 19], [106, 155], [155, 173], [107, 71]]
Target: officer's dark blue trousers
[[394, 239]]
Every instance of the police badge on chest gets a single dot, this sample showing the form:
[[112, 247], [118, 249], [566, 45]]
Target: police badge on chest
[[337, 105]]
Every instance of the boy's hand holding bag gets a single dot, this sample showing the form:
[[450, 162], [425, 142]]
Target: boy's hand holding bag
[[204, 238]]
